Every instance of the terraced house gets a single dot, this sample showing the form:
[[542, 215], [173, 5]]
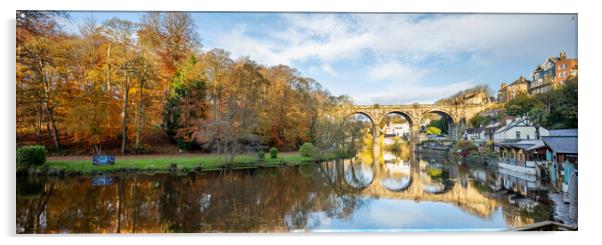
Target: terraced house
[[553, 73], [514, 89]]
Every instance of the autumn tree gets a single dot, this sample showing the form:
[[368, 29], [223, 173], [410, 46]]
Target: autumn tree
[[90, 118], [113, 83], [120, 32], [173, 37], [44, 58], [217, 65], [186, 104]]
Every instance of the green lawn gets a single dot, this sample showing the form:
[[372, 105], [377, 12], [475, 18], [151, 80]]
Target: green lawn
[[162, 163]]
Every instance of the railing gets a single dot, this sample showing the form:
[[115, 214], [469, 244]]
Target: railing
[[512, 161]]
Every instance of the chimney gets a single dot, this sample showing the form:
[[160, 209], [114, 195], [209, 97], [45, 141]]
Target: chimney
[[562, 55], [508, 121], [503, 85]]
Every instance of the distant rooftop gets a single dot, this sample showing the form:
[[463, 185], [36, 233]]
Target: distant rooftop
[[564, 132], [493, 125], [561, 144]]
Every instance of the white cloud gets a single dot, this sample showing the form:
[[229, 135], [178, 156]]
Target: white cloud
[[332, 37], [328, 69], [395, 72], [394, 49]]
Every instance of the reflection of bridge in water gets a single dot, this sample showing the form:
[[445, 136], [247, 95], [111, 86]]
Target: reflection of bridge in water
[[410, 180]]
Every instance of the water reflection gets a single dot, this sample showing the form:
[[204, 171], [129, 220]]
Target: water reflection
[[358, 174], [396, 172], [414, 192]]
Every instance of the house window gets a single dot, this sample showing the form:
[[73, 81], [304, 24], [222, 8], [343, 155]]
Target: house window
[[518, 134], [528, 136]]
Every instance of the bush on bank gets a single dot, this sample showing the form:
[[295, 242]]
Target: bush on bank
[[306, 149], [31, 155], [274, 152], [465, 147], [260, 155]]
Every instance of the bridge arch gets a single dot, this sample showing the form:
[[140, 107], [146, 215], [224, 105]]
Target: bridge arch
[[443, 113], [456, 115], [397, 112], [354, 113]]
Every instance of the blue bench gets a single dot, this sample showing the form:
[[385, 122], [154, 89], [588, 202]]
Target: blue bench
[[103, 159]]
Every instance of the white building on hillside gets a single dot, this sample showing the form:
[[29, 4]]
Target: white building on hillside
[[518, 129]]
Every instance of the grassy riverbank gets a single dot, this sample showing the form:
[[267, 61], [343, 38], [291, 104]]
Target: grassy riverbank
[[161, 163]]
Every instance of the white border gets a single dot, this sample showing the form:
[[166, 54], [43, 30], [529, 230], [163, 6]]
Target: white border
[[590, 90]]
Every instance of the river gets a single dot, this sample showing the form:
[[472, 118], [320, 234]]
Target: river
[[420, 193]]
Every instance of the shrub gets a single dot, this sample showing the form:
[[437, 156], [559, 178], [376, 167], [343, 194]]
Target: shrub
[[142, 149], [31, 155], [260, 155], [306, 149], [274, 152], [465, 147], [184, 144], [435, 172]]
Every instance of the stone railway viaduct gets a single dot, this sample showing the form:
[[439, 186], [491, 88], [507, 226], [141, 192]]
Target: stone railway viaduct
[[456, 115]]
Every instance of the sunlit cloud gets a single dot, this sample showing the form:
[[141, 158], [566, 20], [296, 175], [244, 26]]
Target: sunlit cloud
[[333, 37], [395, 72], [392, 58]]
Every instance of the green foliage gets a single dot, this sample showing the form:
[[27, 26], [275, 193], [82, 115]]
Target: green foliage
[[178, 126], [435, 172], [274, 152], [163, 163], [554, 109], [562, 106], [184, 144], [31, 155], [260, 155], [171, 116], [479, 121], [433, 130], [440, 124], [521, 105], [306, 149]]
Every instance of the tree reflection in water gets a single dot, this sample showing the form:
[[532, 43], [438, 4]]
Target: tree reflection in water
[[260, 200]]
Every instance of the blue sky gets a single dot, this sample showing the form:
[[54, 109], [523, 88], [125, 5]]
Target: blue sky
[[387, 58]]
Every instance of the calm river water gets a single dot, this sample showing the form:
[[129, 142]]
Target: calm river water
[[421, 193]]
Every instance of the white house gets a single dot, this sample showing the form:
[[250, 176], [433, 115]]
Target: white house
[[397, 129], [476, 135], [518, 129]]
